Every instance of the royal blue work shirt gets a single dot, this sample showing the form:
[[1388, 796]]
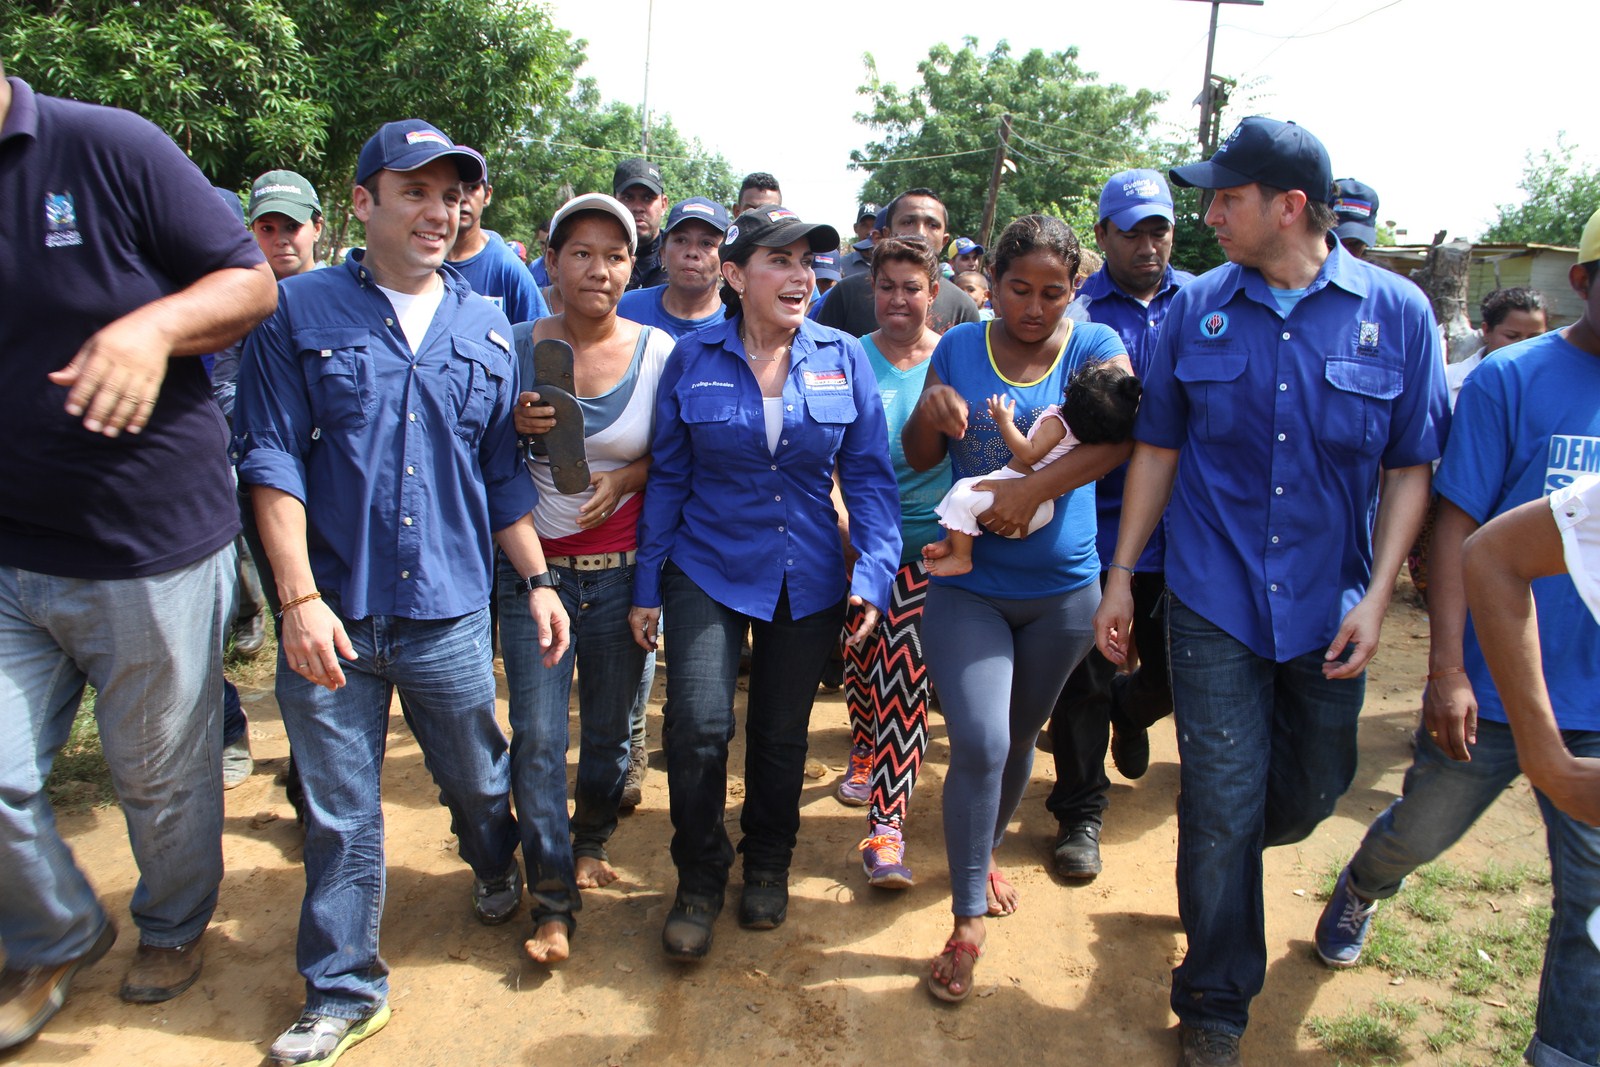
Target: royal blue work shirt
[[1137, 323], [1284, 427], [406, 464], [742, 521]]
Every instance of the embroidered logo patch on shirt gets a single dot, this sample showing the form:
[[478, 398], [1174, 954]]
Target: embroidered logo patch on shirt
[[60, 221], [1214, 324], [826, 379], [1368, 337]]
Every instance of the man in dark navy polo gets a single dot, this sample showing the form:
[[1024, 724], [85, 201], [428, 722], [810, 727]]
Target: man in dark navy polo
[[1131, 293], [1287, 386], [374, 426], [118, 265]]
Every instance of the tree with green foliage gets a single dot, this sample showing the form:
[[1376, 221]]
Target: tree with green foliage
[[1561, 195], [231, 83], [1069, 133]]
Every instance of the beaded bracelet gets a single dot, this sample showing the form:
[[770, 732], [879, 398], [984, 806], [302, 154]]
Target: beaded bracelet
[[297, 601]]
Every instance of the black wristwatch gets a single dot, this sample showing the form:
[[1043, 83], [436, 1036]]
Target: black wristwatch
[[542, 580]]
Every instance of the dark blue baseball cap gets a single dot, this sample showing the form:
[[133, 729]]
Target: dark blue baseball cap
[[698, 207], [1268, 151], [412, 143], [1356, 207], [826, 265], [1132, 196]]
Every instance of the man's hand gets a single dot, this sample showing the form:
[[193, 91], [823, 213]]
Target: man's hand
[[642, 623], [1013, 508], [313, 640], [544, 604], [867, 623], [116, 376], [1359, 631], [1450, 713], [946, 410], [1113, 619], [532, 418]]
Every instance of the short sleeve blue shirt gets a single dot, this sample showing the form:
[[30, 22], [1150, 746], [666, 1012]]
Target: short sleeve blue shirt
[[1284, 427], [1060, 556], [497, 274], [743, 521], [1106, 302], [645, 306], [406, 463], [1526, 424]]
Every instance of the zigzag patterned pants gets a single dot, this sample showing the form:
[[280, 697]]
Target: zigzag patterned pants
[[886, 689]]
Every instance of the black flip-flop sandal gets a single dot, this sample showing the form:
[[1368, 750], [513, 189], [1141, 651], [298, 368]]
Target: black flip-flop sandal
[[563, 446]]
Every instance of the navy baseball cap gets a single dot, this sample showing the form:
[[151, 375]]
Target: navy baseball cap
[[1268, 151], [636, 171], [826, 265], [412, 143], [698, 207], [1356, 207], [774, 227], [1132, 196], [866, 211]]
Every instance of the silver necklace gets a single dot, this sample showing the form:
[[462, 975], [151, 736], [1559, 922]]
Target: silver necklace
[[763, 359]]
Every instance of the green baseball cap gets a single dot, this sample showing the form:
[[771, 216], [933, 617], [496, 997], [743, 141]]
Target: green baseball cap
[[284, 192]]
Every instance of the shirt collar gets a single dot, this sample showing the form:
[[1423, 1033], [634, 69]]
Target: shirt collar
[[726, 333], [1100, 284], [453, 281], [23, 118], [1340, 269]]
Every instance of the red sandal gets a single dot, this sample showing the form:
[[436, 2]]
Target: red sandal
[[954, 949]]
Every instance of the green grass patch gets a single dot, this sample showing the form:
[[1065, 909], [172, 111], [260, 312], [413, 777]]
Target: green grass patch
[[1367, 1037], [1460, 1024], [80, 779]]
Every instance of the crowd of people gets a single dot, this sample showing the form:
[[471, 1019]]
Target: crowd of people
[[1055, 502]]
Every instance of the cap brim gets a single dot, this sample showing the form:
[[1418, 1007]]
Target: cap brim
[[298, 210], [707, 219], [655, 187], [468, 163], [598, 202], [1366, 233], [1128, 218], [1207, 175], [821, 236]]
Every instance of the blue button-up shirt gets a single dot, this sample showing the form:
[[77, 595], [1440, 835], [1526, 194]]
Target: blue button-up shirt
[[1106, 302], [1285, 425], [406, 463], [742, 521]]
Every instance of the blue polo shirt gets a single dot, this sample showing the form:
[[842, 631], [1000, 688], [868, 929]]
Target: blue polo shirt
[[406, 463], [496, 273], [645, 306], [1528, 423], [100, 214], [1284, 426], [743, 521], [1102, 300]]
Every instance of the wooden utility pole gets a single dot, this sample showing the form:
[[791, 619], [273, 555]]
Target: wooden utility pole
[[1213, 94], [994, 178]]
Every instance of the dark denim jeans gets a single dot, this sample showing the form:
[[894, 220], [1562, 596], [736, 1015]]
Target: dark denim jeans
[[1266, 750], [1442, 798], [445, 671], [787, 656], [609, 663]]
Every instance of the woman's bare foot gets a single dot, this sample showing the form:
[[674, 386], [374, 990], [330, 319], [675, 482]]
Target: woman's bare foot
[[1003, 896], [548, 943], [951, 976], [594, 873]]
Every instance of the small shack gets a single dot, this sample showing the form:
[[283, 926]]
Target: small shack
[[1502, 266]]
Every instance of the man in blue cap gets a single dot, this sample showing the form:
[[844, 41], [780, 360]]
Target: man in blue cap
[[1355, 206], [1286, 388], [374, 427], [1131, 292], [691, 252]]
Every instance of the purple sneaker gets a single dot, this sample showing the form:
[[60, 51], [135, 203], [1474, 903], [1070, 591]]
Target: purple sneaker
[[855, 790], [883, 858]]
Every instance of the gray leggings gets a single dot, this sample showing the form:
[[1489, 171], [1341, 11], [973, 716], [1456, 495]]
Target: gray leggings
[[998, 667]]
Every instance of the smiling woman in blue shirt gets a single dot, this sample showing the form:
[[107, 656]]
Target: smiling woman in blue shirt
[[1001, 639], [753, 416]]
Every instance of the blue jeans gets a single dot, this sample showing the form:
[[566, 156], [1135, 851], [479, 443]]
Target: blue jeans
[[445, 673], [787, 656], [609, 664], [1266, 750], [152, 648], [1442, 798]]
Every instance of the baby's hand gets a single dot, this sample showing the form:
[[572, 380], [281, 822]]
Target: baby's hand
[[1002, 408]]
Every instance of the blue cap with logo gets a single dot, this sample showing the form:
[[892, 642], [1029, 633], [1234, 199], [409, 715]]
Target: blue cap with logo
[[1133, 196], [1356, 207], [826, 265], [707, 211], [1268, 151], [412, 143], [963, 246]]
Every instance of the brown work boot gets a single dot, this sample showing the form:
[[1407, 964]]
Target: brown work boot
[[29, 996], [633, 784], [160, 974]]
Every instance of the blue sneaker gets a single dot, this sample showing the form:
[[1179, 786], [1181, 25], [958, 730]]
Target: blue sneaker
[[1343, 927]]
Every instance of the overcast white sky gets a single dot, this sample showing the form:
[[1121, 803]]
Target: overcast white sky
[[1434, 103]]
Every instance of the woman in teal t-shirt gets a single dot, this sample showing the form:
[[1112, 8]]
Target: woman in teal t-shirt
[[886, 678], [1001, 640]]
